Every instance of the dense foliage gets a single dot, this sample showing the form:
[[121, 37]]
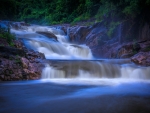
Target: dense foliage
[[5, 34], [67, 11]]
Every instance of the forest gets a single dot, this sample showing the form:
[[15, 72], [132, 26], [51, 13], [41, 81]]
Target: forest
[[71, 11]]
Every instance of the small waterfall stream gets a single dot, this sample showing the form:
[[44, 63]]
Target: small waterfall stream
[[68, 60]]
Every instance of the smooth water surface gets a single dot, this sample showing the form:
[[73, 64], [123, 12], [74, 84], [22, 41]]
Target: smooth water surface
[[75, 96]]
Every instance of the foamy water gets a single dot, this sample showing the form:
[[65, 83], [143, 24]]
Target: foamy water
[[61, 49]]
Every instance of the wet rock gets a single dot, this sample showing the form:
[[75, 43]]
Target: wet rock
[[78, 34], [28, 74], [145, 46], [18, 44], [93, 36], [63, 27], [24, 62], [20, 63], [142, 58], [128, 50], [72, 32], [31, 55], [47, 34], [128, 55]]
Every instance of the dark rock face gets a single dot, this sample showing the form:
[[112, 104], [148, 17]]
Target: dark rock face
[[20, 63], [134, 30], [145, 46], [142, 58], [78, 34], [129, 38], [93, 36], [128, 50], [144, 32], [85, 34]]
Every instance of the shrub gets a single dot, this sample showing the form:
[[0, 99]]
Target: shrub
[[7, 35]]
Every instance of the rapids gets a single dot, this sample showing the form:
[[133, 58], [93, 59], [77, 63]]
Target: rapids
[[53, 49], [67, 60]]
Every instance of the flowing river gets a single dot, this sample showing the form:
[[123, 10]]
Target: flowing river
[[73, 81]]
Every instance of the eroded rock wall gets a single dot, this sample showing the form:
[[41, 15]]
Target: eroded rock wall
[[19, 63]]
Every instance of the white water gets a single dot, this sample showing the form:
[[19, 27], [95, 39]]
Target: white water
[[61, 49], [98, 71]]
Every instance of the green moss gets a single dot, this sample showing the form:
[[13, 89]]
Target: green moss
[[7, 35], [112, 27]]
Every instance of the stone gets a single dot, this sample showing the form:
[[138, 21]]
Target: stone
[[142, 58], [18, 44], [19, 63], [2, 76], [47, 34], [128, 55], [25, 62]]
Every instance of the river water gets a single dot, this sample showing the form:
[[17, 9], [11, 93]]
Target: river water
[[73, 81]]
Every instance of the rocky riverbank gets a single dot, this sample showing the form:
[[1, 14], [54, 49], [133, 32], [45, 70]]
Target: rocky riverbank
[[116, 46], [102, 46], [19, 63]]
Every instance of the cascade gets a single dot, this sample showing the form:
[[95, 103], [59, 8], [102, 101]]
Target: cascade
[[69, 60]]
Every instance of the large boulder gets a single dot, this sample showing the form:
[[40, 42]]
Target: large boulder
[[47, 34], [77, 34], [128, 50], [93, 36], [142, 58]]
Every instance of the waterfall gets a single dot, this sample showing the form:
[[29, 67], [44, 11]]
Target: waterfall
[[72, 60], [94, 69], [52, 49], [50, 72]]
